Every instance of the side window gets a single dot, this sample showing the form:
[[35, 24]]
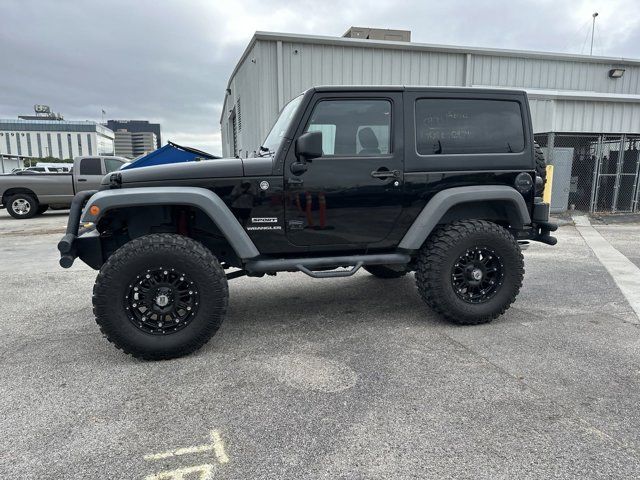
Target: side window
[[111, 165], [353, 127], [90, 166], [458, 126]]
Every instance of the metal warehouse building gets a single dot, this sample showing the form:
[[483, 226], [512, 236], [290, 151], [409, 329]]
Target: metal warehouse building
[[586, 110]]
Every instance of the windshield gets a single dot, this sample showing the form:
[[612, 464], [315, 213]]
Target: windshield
[[274, 138]]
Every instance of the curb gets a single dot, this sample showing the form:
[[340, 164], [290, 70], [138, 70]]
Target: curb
[[562, 221]]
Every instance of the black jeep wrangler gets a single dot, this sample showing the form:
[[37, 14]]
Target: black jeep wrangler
[[444, 182]]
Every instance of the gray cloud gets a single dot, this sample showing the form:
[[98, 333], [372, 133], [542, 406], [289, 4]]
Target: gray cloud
[[169, 61]]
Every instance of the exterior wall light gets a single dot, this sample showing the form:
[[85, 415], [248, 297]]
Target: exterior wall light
[[616, 72]]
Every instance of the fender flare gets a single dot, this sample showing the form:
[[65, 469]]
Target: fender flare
[[204, 199], [444, 200]]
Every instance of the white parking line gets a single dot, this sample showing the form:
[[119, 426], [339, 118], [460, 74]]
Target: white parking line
[[624, 272]]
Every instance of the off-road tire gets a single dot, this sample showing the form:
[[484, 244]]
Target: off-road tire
[[23, 197], [541, 166], [164, 251], [382, 271], [435, 265], [42, 209]]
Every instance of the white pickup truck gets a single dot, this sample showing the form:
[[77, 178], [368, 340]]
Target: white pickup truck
[[26, 194]]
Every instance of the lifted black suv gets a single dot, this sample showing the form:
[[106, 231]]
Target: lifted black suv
[[441, 181]]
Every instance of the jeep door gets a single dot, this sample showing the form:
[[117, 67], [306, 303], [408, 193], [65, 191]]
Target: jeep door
[[352, 194]]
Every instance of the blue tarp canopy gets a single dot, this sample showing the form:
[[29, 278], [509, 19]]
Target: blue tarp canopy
[[170, 153]]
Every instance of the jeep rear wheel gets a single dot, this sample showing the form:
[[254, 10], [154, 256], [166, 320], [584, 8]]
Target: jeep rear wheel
[[384, 271], [160, 296], [470, 272], [22, 205]]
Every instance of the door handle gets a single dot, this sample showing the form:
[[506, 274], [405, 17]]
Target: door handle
[[382, 174], [82, 179]]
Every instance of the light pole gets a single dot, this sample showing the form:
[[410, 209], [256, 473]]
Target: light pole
[[593, 27]]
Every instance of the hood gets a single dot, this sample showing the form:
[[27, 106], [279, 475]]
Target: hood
[[219, 168]]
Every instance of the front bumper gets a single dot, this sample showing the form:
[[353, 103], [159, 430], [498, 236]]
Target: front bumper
[[73, 244]]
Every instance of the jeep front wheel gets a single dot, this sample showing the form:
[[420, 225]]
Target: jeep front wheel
[[160, 296], [470, 272]]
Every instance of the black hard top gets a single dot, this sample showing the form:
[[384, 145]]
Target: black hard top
[[413, 88]]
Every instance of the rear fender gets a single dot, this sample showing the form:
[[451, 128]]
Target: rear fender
[[455, 200]]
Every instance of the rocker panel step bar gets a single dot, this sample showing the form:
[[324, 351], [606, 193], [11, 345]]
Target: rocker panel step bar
[[307, 265]]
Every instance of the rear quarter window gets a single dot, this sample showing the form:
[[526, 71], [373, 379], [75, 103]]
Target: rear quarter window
[[446, 126], [111, 165]]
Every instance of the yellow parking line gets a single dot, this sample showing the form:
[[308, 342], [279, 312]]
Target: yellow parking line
[[218, 447], [178, 452], [205, 473]]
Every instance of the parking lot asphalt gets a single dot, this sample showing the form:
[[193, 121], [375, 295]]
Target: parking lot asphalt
[[52, 221], [344, 378]]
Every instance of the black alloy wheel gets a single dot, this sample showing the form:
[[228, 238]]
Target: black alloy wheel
[[161, 301], [477, 274]]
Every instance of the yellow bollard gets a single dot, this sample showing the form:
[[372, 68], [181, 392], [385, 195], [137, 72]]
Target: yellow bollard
[[546, 195]]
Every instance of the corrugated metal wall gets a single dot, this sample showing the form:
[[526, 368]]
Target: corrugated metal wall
[[502, 71], [304, 64], [596, 117], [542, 114], [255, 85]]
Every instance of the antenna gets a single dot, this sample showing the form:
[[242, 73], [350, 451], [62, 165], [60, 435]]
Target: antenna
[[593, 27]]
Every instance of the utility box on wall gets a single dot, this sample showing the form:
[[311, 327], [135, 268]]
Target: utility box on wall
[[562, 161]]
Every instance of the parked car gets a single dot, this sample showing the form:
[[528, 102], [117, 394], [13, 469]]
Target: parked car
[[30, 192], [443, 182]]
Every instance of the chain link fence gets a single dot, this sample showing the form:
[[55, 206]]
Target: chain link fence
[[593, 173]]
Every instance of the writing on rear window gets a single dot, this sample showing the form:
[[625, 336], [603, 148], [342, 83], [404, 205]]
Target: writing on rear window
[[457, 126]]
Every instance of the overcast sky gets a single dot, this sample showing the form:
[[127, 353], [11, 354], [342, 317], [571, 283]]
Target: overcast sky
[[168, 61]]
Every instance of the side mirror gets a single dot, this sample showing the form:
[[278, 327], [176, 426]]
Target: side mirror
[[309, 146]]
